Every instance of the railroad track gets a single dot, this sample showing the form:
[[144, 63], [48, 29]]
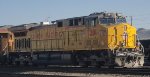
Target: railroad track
[[21, 75], [56, 71]]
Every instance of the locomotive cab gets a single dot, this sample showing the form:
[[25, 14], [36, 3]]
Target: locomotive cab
[[121, 39], [6, 41]]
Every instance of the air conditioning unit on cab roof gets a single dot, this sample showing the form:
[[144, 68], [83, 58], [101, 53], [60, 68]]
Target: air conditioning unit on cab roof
[[45, 23]]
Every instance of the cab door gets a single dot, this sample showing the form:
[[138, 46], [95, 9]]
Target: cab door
[[3, 42]]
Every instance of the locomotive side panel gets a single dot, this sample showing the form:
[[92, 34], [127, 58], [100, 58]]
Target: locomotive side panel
[[99, 37], [72, 39], [46, 39], [68, 39]]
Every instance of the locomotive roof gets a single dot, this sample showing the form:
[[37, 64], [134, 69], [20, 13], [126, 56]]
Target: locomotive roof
[[41, 27], [23, 27], [4, 30], [96, 14], [34, 26]]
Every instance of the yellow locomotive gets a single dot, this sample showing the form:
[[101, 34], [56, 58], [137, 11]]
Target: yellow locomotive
[[100, 39]]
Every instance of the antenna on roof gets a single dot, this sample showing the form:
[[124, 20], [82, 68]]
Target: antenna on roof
[[47, 19], [131, 20], [46, 22]]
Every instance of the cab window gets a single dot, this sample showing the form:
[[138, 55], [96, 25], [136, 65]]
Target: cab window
[[121, 20], [107, 20]]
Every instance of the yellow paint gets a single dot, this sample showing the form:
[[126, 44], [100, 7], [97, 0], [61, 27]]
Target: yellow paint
[[122, 35]]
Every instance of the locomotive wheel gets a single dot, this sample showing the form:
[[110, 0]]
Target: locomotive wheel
[[26, 63], [96, 64], [10, 63], [17, 63], [45, 65], [111, 66], [84, 64], [3, 63], [34, 65]]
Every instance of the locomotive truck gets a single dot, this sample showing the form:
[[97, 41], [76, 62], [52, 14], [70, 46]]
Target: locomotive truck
[[99, 39]]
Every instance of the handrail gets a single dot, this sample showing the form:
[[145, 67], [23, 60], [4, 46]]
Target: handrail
[[4, 49], [142, 47]]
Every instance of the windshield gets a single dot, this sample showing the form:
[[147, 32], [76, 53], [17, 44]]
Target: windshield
[[107, 20], [112, 20], [120, 20]]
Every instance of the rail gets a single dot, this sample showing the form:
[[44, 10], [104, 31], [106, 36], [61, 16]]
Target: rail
[[71, 71]]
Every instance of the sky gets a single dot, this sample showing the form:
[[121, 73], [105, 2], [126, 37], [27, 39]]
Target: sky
[[17, 12]]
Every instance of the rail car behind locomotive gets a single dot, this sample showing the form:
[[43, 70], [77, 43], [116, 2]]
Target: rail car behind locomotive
[[100, 39], [146, 44]]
